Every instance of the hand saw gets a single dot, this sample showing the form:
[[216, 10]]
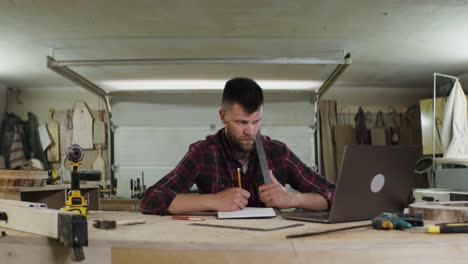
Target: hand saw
[[262, 158]]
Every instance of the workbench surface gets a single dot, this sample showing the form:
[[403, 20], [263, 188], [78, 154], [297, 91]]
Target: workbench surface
[[163, 240]]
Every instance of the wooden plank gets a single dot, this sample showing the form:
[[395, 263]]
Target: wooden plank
[[100, 165], [68, 228], [162, 240], [327, 122], [22, 178], [99, 130], [19, 218], [40, 250], [65, 123], [427, 125], [23, 204], [82, 126], [23, 174]]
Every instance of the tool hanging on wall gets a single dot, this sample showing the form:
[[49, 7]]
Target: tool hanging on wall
[[112, 224], [99, 165], [62, 172], [53, 127], [82, 126], [99, 128], [99, 140]]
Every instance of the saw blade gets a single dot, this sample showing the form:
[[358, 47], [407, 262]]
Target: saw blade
[[262, 158]]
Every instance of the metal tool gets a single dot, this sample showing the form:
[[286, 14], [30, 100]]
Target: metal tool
[[448, 228], [248, 228], [327, 231], [53, 177], [112, 224], [262, 158]]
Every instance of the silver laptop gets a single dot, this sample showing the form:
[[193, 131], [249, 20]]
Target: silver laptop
[[372, 180]]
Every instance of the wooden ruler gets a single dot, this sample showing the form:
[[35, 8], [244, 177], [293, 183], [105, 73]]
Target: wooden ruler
[[247, 228]]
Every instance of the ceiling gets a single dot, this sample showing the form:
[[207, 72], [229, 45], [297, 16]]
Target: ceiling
[[398, 43]]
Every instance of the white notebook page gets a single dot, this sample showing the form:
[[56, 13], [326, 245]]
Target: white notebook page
[[249, 212]]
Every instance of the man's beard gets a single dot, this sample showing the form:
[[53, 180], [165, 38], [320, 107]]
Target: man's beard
[[240, 145]]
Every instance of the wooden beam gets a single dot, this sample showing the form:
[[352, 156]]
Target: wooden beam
[[68, 228]]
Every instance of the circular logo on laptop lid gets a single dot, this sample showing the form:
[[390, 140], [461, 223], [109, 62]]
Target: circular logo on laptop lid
[[377, 183]]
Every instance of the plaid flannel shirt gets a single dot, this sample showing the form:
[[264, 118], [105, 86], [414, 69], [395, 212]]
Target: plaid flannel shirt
[[210, 165]]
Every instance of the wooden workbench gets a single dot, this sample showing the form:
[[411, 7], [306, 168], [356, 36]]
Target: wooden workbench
[[163, 240]]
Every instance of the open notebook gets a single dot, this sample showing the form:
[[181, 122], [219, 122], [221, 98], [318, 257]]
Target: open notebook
[[249, 212]]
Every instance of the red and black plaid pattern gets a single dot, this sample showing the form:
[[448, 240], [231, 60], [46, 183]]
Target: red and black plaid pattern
[[209, 165]]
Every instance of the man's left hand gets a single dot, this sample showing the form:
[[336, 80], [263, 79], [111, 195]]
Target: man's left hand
[[275, 195]]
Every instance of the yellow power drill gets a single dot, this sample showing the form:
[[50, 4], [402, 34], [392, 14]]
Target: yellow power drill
[[75, 201]]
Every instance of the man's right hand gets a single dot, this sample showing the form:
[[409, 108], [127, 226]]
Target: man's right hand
[[231, 199]]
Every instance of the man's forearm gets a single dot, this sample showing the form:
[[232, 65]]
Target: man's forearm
[[310, 201], [187, 203]]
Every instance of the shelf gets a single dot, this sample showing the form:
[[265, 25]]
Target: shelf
[[53, 196], [451, 161]]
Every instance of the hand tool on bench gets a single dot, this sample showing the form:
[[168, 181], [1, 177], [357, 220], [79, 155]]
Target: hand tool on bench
[[262, 158], [248, 228], [112, 224], [448, 228]]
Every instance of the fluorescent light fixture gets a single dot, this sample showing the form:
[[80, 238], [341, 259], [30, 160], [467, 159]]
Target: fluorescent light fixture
[[196, 84]]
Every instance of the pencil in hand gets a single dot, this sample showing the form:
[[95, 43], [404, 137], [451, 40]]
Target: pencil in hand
[[239, 182], [189, 218]]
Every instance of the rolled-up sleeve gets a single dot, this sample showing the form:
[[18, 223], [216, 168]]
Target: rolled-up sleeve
[[304, 179], [158, 198]]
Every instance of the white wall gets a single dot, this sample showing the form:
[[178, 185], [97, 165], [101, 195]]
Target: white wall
[[155, 129], [378, 95], [39, 100], [201, 109]]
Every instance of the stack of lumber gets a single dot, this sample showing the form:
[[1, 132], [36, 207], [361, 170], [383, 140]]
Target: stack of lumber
[[22, 178]]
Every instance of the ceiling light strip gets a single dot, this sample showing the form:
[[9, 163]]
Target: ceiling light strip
[[118, 62]]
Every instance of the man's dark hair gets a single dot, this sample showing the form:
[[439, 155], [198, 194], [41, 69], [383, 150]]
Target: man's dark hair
[[245, 92]]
